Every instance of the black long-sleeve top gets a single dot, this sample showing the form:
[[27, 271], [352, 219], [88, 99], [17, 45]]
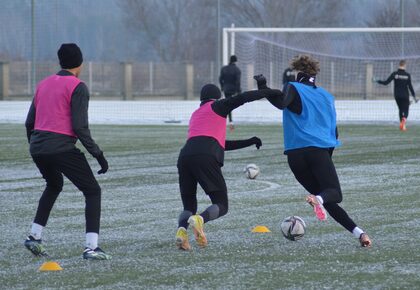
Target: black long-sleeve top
[[209, 146], [230, 79], [290, 98], [43, 142], [402, 83]]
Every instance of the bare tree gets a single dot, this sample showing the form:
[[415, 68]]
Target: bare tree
[[177, 30], [411, 10], [284, 13], [187, 29], [387, 16]]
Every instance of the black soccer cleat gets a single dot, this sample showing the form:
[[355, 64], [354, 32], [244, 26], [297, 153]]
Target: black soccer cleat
[[96, 254], [35, 247]]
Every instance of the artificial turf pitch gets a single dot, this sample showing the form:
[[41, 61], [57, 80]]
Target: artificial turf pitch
[[379, 170]]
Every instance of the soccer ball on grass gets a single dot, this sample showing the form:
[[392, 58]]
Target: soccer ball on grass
[[293, 228], [251, 171]]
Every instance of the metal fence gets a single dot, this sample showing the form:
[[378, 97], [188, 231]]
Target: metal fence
[[115, 80], [183, 81]]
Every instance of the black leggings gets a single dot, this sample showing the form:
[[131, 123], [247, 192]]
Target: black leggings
[[74, 166], [314, 170], [218, 198], [403, 106], [206, 171]]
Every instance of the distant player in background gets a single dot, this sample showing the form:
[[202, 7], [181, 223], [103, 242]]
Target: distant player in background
[[57, 118], [402, 83], [288, 77], [230, 82], [202, 157], [310, 136]]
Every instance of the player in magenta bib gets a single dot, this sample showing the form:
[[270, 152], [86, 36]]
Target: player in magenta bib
[[57, 118], [55, 90], [202, 157]]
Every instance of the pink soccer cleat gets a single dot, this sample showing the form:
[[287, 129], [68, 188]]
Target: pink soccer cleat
[[319, 210]]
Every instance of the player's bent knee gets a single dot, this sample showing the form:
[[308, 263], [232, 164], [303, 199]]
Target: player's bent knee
[[54, 189], [93, 190], [332, 195], [339, 196], [223, 209]]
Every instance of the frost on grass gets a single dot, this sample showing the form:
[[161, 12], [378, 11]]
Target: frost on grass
[[141, 203]]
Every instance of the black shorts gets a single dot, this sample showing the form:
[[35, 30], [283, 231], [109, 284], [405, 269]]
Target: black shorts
[[202, 169]]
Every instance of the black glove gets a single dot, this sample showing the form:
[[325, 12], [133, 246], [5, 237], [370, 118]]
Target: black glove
[[257, 141], [261, 81], [103, 163]]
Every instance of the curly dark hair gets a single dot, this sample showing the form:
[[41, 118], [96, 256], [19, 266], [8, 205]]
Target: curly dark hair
[[306, 64]]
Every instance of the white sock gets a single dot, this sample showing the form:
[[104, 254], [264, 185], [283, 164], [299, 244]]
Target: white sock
[[36, 231], [92, 240], [357, 232], [320, 199]]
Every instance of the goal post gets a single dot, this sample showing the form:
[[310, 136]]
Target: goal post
[[349, 57]]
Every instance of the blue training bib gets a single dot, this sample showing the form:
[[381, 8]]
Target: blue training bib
[[316, 125]]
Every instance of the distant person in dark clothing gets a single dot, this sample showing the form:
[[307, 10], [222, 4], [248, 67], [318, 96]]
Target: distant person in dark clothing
[[202, 157], [230, 82], [288, 77], [57, 118], [402, 83]]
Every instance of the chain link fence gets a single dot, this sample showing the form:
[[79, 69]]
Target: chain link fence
[[115, 80]]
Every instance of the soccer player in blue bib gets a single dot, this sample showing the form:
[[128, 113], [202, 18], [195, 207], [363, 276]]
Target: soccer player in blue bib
[[310, 136]]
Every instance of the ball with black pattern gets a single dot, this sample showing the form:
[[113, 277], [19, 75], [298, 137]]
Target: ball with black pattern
[[293, 228], [251, 171]]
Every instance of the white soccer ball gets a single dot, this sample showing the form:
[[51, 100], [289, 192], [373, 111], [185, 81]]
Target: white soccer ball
[[251, 171], [293, 228]]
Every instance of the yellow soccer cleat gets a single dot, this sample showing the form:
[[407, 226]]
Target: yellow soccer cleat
[[182, 241], [197, 223]]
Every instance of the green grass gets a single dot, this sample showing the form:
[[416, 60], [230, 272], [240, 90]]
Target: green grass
[[379, 172]]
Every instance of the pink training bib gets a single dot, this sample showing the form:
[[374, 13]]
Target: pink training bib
[[205, 122], [53, 104]]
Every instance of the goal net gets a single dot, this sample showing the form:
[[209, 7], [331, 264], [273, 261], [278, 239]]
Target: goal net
[[349, 57]]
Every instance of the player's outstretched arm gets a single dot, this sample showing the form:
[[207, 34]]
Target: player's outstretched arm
[[388, 80], [239, 144], [280, 101], [410, 87], [223, 107]]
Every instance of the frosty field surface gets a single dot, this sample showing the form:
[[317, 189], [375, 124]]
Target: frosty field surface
[[379, 170]]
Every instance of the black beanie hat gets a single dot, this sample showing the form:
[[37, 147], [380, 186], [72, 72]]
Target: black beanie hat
[[210, 91], [70, 55], [233, 58]]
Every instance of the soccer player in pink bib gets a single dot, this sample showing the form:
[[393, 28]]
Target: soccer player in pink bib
[[57, 118], [202, 157]]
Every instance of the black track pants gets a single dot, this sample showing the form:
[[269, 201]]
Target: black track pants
[[74, 166], [403, 106]]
